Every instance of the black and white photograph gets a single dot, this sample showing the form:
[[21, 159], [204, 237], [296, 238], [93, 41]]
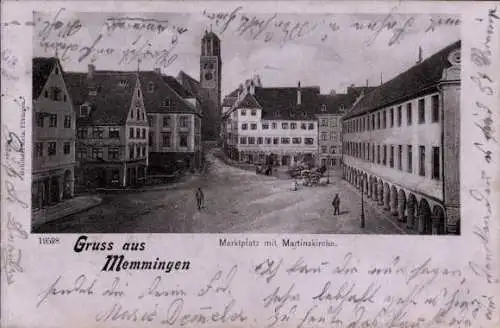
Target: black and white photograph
[[241, 122]]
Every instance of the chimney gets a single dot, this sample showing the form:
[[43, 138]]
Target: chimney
[[91, 70], [299, 95], [252, 88], [158, 70], [420, 55]]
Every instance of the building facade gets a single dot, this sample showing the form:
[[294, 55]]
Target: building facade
[[401, 144], [277, 122], [112, 128], [53, 135], [175, 122]]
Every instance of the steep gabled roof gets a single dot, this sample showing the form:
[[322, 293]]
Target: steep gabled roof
[[281, 103], [408, 84], [335, 103], [191, 85], [154, 98], [248, 101], [177, 87], [42, 67], [112, 103]]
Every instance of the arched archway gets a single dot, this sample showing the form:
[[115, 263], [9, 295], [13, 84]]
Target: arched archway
[[394, 201], [401, 205], [412, 211], [387, 197], [380, 192], [425, 218], [366, 185], [438, 221], [374, 189]]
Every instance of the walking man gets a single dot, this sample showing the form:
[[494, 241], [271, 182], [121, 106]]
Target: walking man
[[336, 205], [200, 198]]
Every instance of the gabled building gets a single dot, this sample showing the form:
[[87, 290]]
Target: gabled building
[[175, 121], [53, 135], [277, 121], [401, 144], [112, 128]]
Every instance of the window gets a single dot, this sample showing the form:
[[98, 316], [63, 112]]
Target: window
[[392, 117], [84, 110], [324, 122], [384, 120], [166, 121], [113, 153], [378, 120], [183, 121], [378, 154], [265, 126], [81, 133], [436, 170], [38, 149], [243, 140], [400, 157], [323, 108], [410, 159], [251, 140], [293, 126], [114, 133], [143, 151], [324, 136], [166, 103], [384, 155], [373, 122], [373, 153], [285, 140], [244, 126], [67, 148], [46, 94], [400, 114], [67, 121], [276, 141], [284, 125], [253, 126], [98, 133], [311, 126], [253, 112], [39, 120], [131, 133], [139, 93], [81, 154], [391, 156], [259, 141], [421, 111], [243, 112], [56, 94], [323, 149], [268, 141], [131, 150], [333, 149], [97, 153], [421, 156], [150, 120], [435, 109], [183, 137], [165, 139], [274, 125], [309, 141], [334, 122], [53, 120], [303, 126], [138, 133], [296, 140], [151, 87], [333, 136], [143, 133], [123, 83], [151, 137], [408, 114]]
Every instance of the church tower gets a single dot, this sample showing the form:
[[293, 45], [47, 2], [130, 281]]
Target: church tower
[[210, 82]]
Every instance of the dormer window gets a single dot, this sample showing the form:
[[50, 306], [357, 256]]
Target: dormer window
[[166, 103], [92, 91], [139, 93], [304, 114], [56, 70], [55, 94], [84, 110], [341, 107], [123, 83], [323, 108], [151, 87], [276, 114]]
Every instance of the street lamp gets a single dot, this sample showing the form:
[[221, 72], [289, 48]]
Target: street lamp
[[362, 204]]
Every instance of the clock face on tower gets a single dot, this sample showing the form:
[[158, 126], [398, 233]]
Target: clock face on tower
[[209, 76]]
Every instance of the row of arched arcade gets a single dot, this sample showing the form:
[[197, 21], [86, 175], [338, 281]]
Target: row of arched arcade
[[422, 214]]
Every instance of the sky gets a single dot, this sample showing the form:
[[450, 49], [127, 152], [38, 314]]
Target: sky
[[330, 51]]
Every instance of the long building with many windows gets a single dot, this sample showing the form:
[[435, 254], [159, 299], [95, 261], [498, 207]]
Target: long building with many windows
[[401, 144]]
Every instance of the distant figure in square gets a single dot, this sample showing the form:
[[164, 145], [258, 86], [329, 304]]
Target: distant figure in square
[[336, 205], [295, 185], [200, 198]]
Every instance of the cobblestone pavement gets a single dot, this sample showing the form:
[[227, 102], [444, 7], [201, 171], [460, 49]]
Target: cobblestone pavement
[[236, 201]]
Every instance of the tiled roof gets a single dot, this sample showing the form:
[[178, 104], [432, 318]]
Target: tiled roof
[[42, 67], [177, 87], [153, 98], [112, 103], [281, 103], [191, 85], [407, 84], [248, 101], [334, 103]]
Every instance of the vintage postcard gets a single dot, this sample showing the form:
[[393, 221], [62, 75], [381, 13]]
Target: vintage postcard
[[250, 164]]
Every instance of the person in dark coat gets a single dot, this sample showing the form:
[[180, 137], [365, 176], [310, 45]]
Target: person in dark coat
[[336, 205], [200, 198]]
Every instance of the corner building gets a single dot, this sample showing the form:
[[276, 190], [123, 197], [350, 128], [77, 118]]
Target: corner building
[[401, 144]]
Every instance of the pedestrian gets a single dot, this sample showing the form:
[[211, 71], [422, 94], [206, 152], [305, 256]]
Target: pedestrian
[[200, 198], [295, 185], [336, 205]]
